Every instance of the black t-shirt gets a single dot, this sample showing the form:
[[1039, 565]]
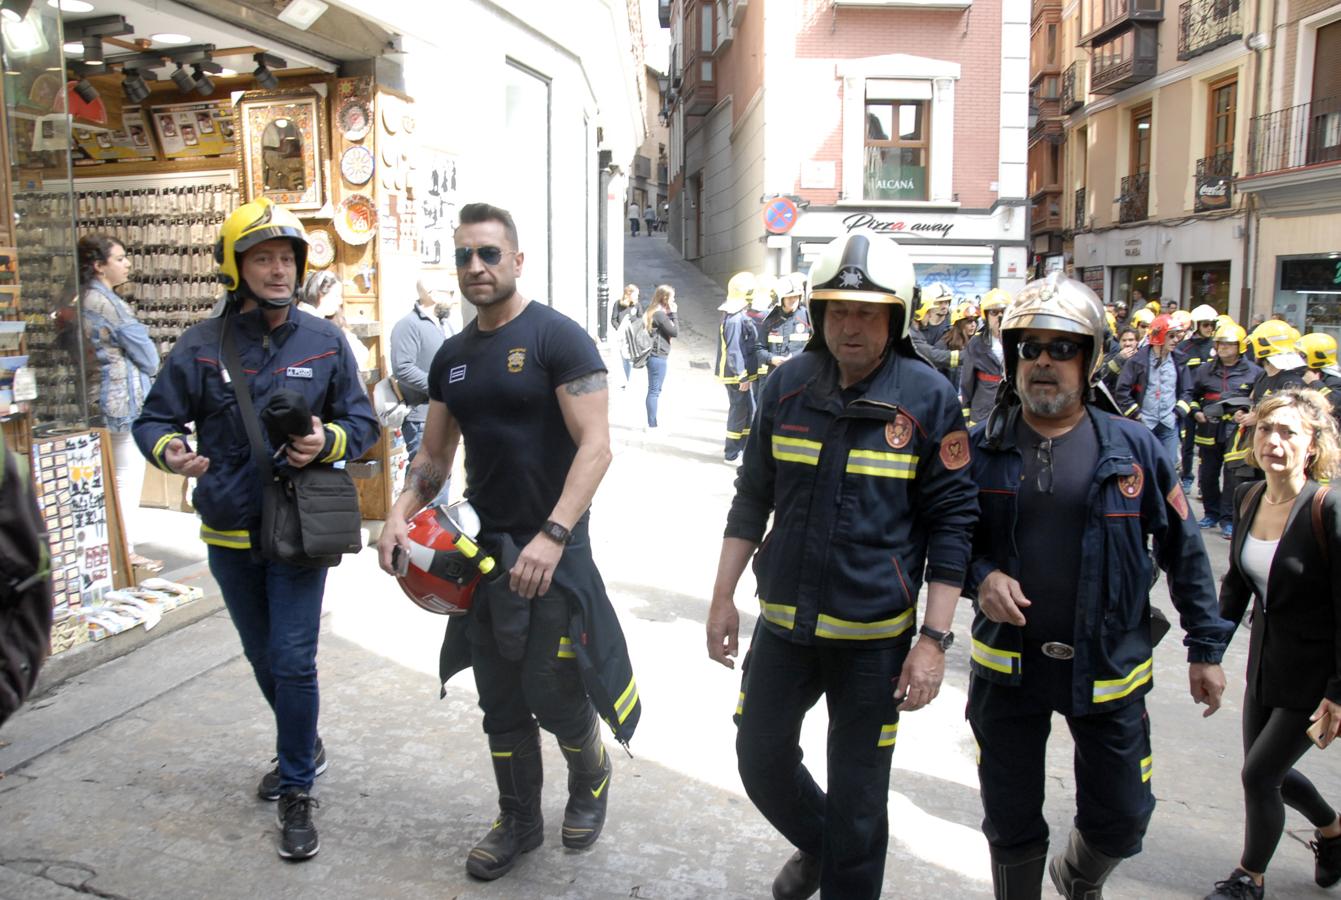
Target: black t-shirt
[[1049, 529], [499, 386]]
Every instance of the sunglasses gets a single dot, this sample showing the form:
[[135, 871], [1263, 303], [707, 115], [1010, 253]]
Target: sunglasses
[[1043, 455], [490, 256], [1059, 350]]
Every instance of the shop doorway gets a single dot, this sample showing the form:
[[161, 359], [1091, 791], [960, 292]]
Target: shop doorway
[[1137, 285], [1207, 283]]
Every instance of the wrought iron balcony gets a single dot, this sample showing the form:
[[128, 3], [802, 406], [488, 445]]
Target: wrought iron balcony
[[1134, 205], [1204, 25], [1213, 185], [1080, 219], [1296, 137], [1073, 87], [1107, 17], [1046, 211], [1126, 59]]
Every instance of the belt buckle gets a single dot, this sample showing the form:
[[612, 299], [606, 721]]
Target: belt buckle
[[1057, 650]]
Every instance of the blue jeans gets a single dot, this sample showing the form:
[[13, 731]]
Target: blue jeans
[[1173, 446], [413, 432], [276, 609], [656, 376]]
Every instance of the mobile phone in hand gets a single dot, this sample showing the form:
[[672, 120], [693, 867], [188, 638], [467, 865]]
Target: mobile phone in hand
[[1317, 732], [400, 560]]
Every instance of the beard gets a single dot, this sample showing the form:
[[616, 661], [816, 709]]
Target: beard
[[1045, 405]]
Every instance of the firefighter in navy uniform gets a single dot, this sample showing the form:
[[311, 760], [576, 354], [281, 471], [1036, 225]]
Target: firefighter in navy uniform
[[736, 365], [1217, 388], [1071, 496], [1319, 353], [787, 328], [859, 453]]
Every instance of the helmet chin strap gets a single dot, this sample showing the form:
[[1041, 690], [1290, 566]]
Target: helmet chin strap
[[245, 293]]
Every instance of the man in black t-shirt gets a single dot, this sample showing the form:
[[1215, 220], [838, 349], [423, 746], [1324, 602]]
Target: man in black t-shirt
[[525, 388]]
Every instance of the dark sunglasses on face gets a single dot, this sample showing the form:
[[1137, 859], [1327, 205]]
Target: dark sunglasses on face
[[1059, 350], [490, 256]]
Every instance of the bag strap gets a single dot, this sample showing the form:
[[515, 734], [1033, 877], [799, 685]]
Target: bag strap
[[1318, 534], [1248, 499], [242, 388]]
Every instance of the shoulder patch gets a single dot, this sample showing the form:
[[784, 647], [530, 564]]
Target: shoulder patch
[[1178, 500], [955, 450], [1131, 485], [899, 432]]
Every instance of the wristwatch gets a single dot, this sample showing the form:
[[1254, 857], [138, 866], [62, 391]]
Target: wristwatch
[[556, 532], [943, 639]]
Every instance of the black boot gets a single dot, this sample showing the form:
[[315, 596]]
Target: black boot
[[1018, 874], [798, 878], [589, 772], [519, 826], [1080, 872], [1327, 856]]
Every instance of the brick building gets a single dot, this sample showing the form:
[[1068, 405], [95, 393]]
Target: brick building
[[908, 116]]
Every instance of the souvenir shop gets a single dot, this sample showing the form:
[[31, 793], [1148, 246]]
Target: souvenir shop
[[150, 123]]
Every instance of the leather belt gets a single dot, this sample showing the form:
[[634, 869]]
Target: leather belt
[[1057, 650]]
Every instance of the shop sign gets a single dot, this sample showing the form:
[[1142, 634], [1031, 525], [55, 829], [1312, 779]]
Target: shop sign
[[1132, 247], [1094, 279], [1311, 276], [912, 226], [1053, 264], [1213, 192]]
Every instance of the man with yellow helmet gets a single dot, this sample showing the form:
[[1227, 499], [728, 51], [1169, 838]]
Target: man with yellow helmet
[[787, 328], [736, 367], [931, 323], [1319, 353], [1219, 388], [301, 361]]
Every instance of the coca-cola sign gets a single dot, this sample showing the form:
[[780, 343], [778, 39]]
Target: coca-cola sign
[[1213, 192]]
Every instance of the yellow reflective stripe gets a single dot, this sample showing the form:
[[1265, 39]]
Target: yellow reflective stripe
[[954, 358], [235, 540], [797, 450], [1117, 688], [1205, 441], [339, 445], [782, 616], [161, 447], [1131, 409], [776, 339], [842, 629], [566, 648], [1004, 661], [501, 754], [740, 704], [1147, 767], [1182, 404], [627, 701], [888, 735], [881, 464]]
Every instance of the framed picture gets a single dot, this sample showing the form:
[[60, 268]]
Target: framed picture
[[184, 130], [283, 148]]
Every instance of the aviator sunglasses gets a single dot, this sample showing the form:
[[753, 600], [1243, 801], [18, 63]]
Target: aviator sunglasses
[[1060, 350], [490, 256]]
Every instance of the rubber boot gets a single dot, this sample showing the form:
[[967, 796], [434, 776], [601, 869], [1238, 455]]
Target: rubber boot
[[1018, 874], [799, 877], [1080, 872], [519, 827], [589, 771]]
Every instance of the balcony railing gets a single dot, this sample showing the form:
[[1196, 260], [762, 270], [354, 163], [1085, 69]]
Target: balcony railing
[[1106, 17], [1080, 220], [1046, 211], [1073, 87], [1213, 185], [1204, 25], [1134, 205], [1125, 59], [1304, 135]]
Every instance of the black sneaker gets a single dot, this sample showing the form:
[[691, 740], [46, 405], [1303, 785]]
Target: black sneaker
[[297, 835], [1327, 853], [1238, 886], [268, 789]]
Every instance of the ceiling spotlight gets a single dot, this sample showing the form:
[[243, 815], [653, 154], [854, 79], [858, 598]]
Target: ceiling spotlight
[[134, 87], [264, 63], [71, 6], [93, 49], [182, 78], [204, 86], [15, 10], [74, 48], [170, 37], [86, 91]]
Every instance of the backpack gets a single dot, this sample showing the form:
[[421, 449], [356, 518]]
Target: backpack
[[25, 585], [637, 341]]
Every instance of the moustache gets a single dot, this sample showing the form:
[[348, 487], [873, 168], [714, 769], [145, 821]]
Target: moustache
[[1042, 378]]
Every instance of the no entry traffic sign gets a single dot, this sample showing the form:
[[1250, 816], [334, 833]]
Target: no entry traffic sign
[[780, 215]]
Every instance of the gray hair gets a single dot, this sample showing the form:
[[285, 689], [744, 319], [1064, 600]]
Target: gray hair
[[316, 285]]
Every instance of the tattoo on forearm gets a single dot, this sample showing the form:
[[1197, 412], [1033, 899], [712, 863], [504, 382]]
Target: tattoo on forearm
[[426, 480], [587, 384]]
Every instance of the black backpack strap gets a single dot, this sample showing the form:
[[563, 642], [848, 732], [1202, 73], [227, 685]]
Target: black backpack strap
[[1319, 496], [242, 389], [1248, 497]]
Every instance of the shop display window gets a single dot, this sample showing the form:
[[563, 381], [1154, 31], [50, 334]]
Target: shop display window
[[1310, 288], [1137, 285], [1207, 283]]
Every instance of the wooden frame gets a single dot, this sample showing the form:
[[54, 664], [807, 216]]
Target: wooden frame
[[283, 148], [1134, 165], [894, 142], [1231, 115]]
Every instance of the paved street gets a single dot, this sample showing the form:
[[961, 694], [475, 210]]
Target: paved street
[[136, 779]]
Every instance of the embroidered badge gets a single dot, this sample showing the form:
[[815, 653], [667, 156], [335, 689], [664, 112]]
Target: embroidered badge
[[516, 359], [955, 450], [455, 374], [899, 432], [1131, 485], [298, 372], [1178, 500]]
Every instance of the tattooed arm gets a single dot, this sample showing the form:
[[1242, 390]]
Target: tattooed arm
[[428, 473], [584, 404]]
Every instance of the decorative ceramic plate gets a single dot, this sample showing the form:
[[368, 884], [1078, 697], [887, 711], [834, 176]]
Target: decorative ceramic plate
[[354, 119], [407, 123], [356, 219], [320, 248], [390, 115], [389, 151], [356, 164], [388, 180]]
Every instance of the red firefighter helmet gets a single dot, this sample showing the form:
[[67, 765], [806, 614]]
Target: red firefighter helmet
[[444, 566]]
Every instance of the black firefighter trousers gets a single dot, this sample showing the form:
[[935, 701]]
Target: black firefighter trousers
[[847, 828], [1112, 762]]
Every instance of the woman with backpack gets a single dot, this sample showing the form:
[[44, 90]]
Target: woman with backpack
[[660, 321], [625, 314]]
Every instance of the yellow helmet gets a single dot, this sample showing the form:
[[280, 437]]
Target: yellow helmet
[[1142, 316], [1227, 332], [765, 294], [1223, 318], [1204, 313], [1318, 349], [965, 310], [933, 295], [1112, 322], [739, 291], [1154, 307], [251, 224], [996, 298], [1272, 337]]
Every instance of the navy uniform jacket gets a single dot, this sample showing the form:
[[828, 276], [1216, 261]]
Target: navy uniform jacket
[[1193, 352], [1135, 496], [1263, 387], [782, 335], [306, 354], [1131, 385], [867, 496], [979, 378], [1212, 383], [735, 349]]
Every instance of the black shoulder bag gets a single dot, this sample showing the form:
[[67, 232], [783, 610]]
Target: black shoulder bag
[[310, 515]]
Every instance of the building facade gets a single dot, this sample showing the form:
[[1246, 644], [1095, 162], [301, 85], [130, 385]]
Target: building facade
[[795, 122]]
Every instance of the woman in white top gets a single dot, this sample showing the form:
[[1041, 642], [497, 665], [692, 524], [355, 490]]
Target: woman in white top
[[323, 295]]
